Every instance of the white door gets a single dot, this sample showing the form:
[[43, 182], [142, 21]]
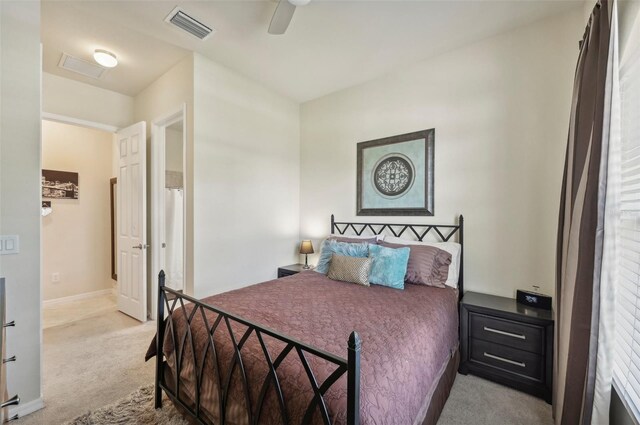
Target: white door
[[132, 221]]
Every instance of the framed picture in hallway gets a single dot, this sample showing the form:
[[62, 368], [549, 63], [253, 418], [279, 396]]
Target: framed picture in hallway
[[59, 184], [395, 175]]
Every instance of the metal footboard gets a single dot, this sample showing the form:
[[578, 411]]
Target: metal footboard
[[173, 302]]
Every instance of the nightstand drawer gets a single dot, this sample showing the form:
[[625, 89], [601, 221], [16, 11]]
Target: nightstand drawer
[[506, 332], [519, 362]]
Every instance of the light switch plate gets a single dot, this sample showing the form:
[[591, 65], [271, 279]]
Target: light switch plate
[[9, 244]]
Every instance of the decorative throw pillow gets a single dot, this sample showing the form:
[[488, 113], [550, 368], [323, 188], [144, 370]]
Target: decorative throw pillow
[[427, 265], [349, 269], [388, 265], [453, 248], [330, 247]]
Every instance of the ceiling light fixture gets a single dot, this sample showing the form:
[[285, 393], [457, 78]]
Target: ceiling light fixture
[[105, 58]]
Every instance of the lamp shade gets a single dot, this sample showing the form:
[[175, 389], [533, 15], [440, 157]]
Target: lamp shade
[[306, 247]]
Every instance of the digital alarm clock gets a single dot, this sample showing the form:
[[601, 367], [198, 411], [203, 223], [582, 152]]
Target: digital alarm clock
[[533, 299]]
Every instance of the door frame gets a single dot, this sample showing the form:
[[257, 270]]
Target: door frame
[[158, 127], [48, 116]]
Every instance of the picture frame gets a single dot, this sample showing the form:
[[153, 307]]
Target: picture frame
[[395, 175], [59, 184]]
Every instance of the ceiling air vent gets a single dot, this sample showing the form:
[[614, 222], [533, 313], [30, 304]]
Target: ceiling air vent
[[189, 24], [81, 66]]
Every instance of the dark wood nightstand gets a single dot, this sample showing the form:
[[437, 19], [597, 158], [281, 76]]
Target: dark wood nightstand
[[507, 342], [289, 270]]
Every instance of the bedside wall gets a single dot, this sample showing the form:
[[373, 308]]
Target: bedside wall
[[500, 109]]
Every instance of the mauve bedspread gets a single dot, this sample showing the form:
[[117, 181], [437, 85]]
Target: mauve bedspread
[[407, 339]]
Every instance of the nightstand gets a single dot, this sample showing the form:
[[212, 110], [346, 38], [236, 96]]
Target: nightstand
[[507, 342], [289, 270]]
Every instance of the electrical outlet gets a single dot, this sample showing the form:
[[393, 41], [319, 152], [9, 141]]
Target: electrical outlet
[[55, 277]]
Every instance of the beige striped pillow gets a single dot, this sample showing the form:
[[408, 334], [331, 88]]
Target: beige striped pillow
[[349, 269]]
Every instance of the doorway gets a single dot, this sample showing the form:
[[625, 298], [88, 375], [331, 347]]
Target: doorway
[[94, 222], [168, 197], [82, 221], [76, 241]]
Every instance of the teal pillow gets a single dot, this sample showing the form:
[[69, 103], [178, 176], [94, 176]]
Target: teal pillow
[[388, 265], [330, 246]]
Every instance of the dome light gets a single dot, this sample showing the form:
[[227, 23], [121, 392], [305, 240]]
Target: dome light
[[105, 58]]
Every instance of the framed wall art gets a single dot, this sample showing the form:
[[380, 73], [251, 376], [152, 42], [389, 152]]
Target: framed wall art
[[59, 184], [395, 175]]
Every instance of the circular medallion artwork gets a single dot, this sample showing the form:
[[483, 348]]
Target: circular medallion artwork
[[393, 175]]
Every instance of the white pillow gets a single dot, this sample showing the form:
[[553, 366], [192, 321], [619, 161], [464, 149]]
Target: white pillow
[[379, 238], [452, 248]]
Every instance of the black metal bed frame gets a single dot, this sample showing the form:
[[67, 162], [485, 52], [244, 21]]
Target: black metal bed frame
[[174, 302]]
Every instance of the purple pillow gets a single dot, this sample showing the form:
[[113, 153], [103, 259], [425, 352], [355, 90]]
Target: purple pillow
[[428, 265]]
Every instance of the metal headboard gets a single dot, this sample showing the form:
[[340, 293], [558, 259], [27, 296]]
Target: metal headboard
[[443, 233]]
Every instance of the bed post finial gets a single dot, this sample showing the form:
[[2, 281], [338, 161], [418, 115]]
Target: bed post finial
[[159, 339], [333, 224], [353, 379]]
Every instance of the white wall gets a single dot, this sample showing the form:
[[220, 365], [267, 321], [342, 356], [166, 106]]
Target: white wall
[[71, 98], [162, 97], [246, 179], [629, 21], [76, 236], [500, 110], [20, 191], [174, 149]]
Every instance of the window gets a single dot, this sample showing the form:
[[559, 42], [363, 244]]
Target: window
[[626, 372]]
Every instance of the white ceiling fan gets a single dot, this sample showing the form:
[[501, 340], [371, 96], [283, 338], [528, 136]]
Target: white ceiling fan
[[283, 14]]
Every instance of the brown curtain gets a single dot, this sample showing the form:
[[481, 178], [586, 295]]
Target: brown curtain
[[580, 229]]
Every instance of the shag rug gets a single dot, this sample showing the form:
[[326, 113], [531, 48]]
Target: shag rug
[[137, 409]]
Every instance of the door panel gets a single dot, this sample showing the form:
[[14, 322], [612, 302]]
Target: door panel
[[132, 226]]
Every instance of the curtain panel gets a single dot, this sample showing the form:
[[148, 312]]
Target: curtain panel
[[583, 294]]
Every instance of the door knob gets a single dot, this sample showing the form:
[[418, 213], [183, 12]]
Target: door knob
[[12, 401], [140, 246]]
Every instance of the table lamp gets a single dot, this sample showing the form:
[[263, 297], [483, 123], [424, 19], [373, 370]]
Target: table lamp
[[306, 248]]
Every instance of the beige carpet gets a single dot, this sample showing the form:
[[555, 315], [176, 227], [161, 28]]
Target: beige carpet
[[91, 363], [97, 361], [473, 401], [476, 401]]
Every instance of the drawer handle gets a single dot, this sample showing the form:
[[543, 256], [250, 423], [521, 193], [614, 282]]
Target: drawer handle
[[512, 335], [502, 359]]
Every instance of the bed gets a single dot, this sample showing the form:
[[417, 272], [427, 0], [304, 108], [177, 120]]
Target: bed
[[309, 350]]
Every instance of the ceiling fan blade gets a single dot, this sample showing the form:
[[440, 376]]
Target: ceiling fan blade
[[281, 17]]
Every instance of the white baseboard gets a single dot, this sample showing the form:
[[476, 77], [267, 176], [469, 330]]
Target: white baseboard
[[86, 295], [23, 409]]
